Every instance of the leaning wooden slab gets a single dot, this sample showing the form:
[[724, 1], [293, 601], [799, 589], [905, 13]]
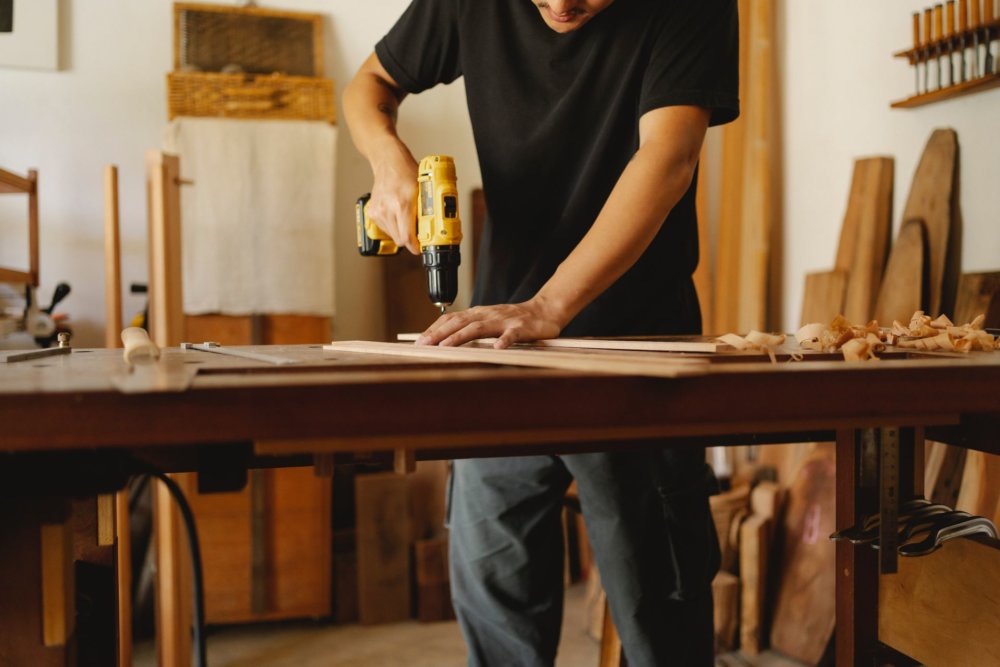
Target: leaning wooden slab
[[627, 344], [635, 363]]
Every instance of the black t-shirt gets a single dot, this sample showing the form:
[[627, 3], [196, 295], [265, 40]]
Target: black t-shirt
[[556, 120]]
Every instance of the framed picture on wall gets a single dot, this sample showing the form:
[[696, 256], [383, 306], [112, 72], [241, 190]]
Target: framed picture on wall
[[29, 34]]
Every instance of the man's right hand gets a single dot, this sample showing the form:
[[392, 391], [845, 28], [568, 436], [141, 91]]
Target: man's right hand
[[393, 205], [371, 102]]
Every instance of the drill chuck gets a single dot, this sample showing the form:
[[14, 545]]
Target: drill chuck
[[442, 263]]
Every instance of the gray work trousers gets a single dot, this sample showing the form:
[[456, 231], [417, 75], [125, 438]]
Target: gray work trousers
[[651, 531]]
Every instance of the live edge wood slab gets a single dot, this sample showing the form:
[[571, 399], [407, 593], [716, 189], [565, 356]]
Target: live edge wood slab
[[62, 414]]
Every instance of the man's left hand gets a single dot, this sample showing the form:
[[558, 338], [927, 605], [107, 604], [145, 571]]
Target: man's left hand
[[508, 323]]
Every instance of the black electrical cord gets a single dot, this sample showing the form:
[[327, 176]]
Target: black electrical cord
[[198, 619]]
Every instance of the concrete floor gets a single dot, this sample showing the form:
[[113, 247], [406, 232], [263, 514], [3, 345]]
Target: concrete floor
[[411, 644]]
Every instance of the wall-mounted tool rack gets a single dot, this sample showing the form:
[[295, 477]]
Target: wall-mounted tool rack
[[954, 51]]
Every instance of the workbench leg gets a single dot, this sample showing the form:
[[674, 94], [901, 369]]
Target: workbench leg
[[173, 579], [857, 567]]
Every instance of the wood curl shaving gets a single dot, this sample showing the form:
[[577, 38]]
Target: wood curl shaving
[[863, 343], [755, 341]]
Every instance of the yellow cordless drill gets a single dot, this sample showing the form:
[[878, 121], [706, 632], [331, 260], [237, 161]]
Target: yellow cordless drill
[[439, 229]]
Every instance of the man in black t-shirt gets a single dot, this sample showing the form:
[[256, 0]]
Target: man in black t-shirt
[[588, 117]]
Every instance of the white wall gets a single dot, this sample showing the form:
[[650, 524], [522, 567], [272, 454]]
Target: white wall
[[107, 105], [840, 77]]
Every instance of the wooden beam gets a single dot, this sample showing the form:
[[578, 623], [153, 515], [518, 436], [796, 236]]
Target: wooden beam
[[123, 572], [166, 304], [11, 276], [33, 243], [112, 261], [14, 184], [173, 580], [58, 588]]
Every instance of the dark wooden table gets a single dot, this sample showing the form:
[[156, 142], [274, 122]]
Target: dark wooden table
[[65, 428]]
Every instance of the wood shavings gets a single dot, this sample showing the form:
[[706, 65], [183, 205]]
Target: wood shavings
[[943, 335], [755, 340], [859, 349], [860, 343], [835, 336]]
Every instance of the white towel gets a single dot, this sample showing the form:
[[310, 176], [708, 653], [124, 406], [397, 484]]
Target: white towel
[[257, 225]]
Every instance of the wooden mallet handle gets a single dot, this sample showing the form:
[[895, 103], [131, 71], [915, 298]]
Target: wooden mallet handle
[[138, 345]]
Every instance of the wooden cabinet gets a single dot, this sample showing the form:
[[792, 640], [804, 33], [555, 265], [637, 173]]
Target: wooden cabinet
[[267, 549]]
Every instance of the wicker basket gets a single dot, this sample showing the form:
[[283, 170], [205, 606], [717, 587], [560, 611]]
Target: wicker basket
[[278, 54], [240, 96]]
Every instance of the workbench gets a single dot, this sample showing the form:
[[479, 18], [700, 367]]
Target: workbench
[[67, 430]]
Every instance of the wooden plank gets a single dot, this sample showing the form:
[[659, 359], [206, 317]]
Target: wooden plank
[[58, 589], [11, 276], [933, 198], [433, 588], [979, 294], [760, 183], [755, 536], [173, 579], [804, 611], [703, 275], [726, 603], [611, 654], [871, 209], [904, 285], [980, 491], [12, 183], [864, 240], [943, 469], [166, 304], [638, 364], [34, 267], [625, 344], [301, 547], [383, 534], [823, 298], [123, 575], [725, 316], [105, 519], [112, 261], [942, 609]]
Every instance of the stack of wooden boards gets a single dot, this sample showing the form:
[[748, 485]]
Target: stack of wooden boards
[[396, 566], [777, 585]]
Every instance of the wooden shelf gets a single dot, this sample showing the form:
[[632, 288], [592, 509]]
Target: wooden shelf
[[11, 183], [959, 89]]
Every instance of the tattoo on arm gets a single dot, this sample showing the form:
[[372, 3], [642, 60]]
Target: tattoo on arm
[[389, 110]]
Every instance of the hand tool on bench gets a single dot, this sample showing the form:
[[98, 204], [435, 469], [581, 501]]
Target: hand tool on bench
[[28, 355], [146, 372], [216, 348]]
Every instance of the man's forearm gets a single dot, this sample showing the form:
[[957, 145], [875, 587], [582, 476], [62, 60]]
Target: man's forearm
[[371, 104], [648, 189]]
